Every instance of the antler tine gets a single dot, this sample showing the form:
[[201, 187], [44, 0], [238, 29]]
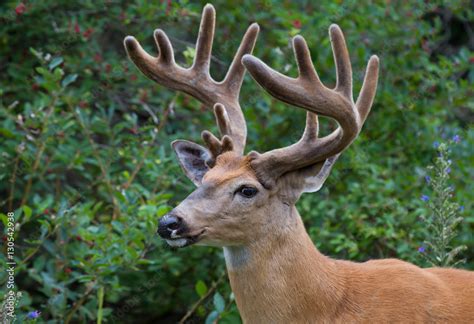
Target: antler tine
[[204, 41], [166, 53], [222, 119], [342, 60], [235, 76], [196, 80], [216, 146], [307, 91], [369, 87], [305, 64], [311, 129]]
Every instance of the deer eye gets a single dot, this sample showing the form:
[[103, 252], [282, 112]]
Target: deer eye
[[247, 192]]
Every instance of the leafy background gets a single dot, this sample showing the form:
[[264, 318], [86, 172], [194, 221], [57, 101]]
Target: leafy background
[[86, 166]]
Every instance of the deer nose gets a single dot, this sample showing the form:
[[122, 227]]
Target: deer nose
[[169, 225]]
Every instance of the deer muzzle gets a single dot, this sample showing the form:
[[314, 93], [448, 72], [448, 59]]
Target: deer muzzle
[[173, 229]]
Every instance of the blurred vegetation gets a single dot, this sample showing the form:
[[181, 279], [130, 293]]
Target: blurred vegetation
[[86, 165]]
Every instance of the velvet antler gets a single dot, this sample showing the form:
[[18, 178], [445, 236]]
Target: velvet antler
[[196, 80]]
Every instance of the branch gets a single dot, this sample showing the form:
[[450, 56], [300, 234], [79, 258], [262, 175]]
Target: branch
[[202, 299], [79, 303], [161, 124]]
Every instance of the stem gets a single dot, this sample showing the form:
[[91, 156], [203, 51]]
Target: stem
[[79, 303], [40, 151], [28, 257], [12, 183], [202, 299], [100, 296], [161, 124], [38, 156], [116, 211]]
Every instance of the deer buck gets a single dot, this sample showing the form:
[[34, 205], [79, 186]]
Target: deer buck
[[246, 203]]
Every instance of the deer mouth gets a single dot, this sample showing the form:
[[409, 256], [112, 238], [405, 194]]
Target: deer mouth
[[182, 241]]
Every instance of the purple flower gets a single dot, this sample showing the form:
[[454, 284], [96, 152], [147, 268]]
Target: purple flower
[[461, 208], [435, 144], [456, 138], [425, 198], [33, 315], [448, 170], [421, 249], [427, 179]]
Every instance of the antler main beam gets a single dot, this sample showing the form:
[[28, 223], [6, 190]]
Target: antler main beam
[[308, 92], [196, 80]]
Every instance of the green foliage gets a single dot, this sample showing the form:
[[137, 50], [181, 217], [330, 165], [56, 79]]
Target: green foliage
[[443, 220], [86, 166]]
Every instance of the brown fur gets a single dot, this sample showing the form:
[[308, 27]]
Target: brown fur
[[278, 275], [287, 280], [230, 167]]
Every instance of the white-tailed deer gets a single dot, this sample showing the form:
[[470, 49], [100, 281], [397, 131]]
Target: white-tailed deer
[[246, 203]]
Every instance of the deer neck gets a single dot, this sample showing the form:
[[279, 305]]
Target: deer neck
[[283, 276]]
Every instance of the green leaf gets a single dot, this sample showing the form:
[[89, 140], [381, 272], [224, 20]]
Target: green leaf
[[126, 175], [27, 211], [93, 229], [163, 209], [120, 196], [118, 226], [39, 55], [4, 219], [6, 133], [43, 71], [201, 288], [55, 62], [212, 317], [45, 228], [68, 80], [85, 278], [219, 302]]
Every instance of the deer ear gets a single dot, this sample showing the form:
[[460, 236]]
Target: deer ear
[[315, 176], [192, 158], [309, 179]]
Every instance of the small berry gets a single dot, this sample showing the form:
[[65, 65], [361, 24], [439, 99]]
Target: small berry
[[20, 9], [88, 32], [297, 23]]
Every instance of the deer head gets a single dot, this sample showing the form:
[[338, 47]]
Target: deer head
[[241, 198]]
